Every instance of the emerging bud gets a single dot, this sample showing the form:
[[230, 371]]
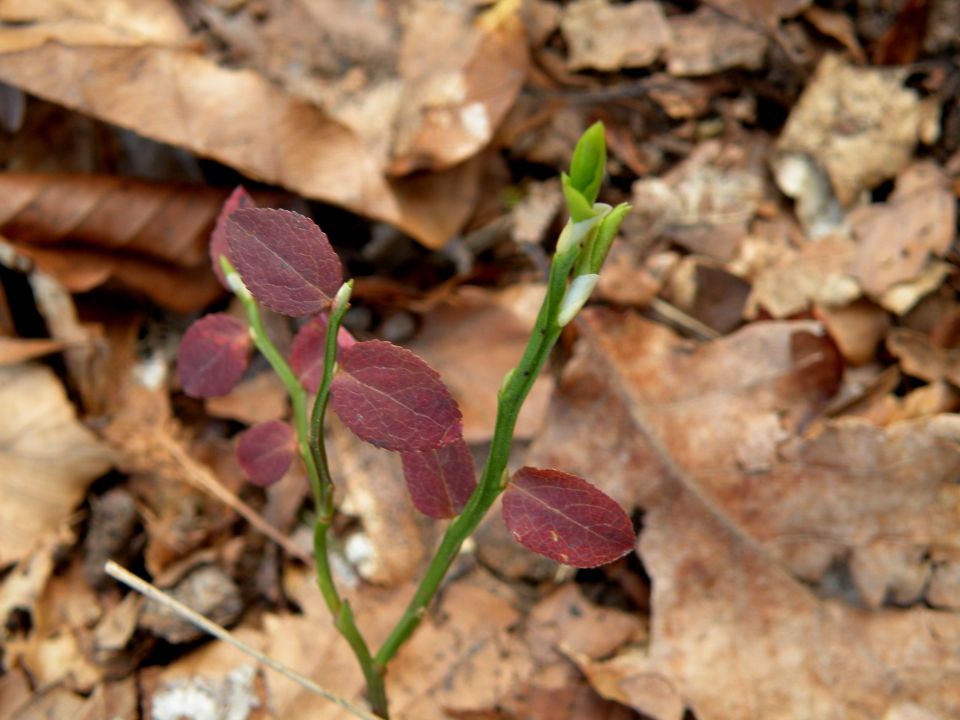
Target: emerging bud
[[581, 186], [342, 297], [589, 162]]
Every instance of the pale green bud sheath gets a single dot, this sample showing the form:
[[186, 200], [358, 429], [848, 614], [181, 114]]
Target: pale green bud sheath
[[342, 298], [574, 234], [234, 281], [594, 254], [505, 383], [576, 297]]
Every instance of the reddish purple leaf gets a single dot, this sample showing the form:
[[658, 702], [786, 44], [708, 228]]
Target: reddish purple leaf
[[213, 355], [391, 398], [218, 241], [306, 355], [440, 480], [284, 259], [565, 518], [265, 452]]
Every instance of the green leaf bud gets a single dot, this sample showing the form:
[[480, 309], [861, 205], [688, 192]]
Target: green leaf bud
[[603, 238], [577, 205], [589, 162]]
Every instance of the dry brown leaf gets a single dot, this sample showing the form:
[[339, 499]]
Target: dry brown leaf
[[921, 358], [114, 700], [206, 589], [185, 502], [624, 679], [22, 588], [472, 341], [15, 691], [901, 297], [48, 458], [52, 701], [214, 682], [393, 545], [565, 621], [55, 648], [603, 36], [463, 659], [149, 80], [257, 399], [857, 329], [708, 293], [166, 222], [837, 25], [460, 79], [707, 41], [706, 202], [896, 238], [532, 216], [858, 124], [820, 272], [752, 525]]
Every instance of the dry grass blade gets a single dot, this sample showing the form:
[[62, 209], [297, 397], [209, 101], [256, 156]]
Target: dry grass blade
[[221, 633]]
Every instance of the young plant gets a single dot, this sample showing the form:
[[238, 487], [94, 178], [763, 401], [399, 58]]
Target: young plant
[[391, 398]]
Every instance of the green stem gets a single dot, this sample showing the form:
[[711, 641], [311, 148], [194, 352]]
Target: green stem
[[511, 397], [312, 449], [298, 396], [339, 608]]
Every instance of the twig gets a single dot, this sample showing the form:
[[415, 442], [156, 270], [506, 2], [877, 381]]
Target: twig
[[200, 477], [678, 317], [153, 593]]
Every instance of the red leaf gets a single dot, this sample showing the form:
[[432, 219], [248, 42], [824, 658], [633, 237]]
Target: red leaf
[[213, 355], [284, 259], [391, 398], [440, 480], [265, 452], [218, 241], [565, 518], [306, 355]]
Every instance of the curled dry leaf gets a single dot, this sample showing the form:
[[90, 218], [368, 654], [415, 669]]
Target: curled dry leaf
[[440, 480], [48, 458], [284, 259], [87, 230], [758, 533], [565, 518], [213, 355], [265, 452], [392, 399]]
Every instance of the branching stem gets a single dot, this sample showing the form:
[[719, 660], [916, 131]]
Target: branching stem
[[310, 441]]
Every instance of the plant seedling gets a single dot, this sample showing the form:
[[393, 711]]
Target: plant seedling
[[391, 398]]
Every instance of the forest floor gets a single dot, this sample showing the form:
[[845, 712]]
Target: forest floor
[[767, 376]]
